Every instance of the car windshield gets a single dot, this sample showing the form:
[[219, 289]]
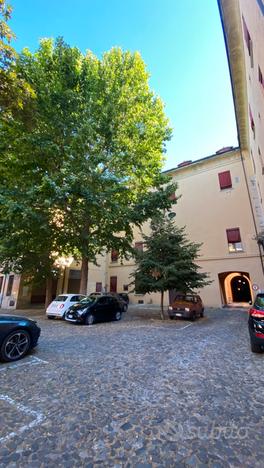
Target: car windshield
[[88, 299], [61, 298], [259, 302], [184, 298]]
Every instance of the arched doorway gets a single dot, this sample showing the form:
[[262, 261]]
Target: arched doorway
[[240, 289], [235, 287]]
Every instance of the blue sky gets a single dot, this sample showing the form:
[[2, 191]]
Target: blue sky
[[181, 43]]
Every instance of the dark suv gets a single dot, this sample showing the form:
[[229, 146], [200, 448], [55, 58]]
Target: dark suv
[[256, 324], [188, 306]]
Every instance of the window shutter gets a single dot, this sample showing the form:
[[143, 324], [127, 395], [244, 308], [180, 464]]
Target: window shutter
[[225, 180], [114, 256], [233, 235], [139, 246]]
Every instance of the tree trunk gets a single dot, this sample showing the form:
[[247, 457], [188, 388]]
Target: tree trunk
[[48, 297], [161, 306], [84, 276]]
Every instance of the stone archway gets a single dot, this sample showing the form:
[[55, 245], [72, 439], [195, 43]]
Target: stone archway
[[235, 287], [240, 289]]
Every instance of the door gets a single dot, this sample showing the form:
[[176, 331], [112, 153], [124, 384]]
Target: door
[[113, 283]]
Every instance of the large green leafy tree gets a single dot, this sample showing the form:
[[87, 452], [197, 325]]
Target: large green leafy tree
[[90, 149], [167, 261], [14, 91]]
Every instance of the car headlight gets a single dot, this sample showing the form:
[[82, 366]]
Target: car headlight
[[187, 309], [170, 308]]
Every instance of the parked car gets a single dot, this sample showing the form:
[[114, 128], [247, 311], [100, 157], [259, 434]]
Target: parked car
[[93, 309], [124, 296], [188, 306], [61, 304], [17, 336], [256, 324], [121, 296]]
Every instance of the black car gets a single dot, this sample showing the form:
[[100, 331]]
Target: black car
[[124, 296], [96, 309], [17, 336], [256, 324]]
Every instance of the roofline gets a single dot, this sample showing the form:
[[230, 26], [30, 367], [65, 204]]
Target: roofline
[[233, 39], [229, 68], [212, 156]]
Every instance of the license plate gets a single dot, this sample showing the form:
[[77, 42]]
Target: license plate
[[178, 315]]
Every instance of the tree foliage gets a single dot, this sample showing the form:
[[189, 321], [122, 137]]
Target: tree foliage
[[167, 261], [85, 156], [15, 93]]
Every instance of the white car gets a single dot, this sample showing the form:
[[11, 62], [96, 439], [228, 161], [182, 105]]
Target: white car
[[61, 304]]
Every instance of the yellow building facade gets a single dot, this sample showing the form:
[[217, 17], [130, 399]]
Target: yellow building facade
[[215, 209]]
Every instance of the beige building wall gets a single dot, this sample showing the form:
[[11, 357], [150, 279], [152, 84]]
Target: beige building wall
[[207, 212], [243, 27], [252, 18]]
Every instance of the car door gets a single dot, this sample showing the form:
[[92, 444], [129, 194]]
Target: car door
[[101, 308]]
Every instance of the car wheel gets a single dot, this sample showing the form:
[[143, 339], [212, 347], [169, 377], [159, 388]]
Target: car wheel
[[171, 317], [256, 348], [202, 313], [118, 315], [15, 346], [89, 319], [193, 316], [50, 317]]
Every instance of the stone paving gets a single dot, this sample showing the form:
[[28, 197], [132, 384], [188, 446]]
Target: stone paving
[[135, 393]]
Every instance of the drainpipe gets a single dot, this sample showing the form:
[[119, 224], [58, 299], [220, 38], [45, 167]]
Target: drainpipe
[[251, 208]]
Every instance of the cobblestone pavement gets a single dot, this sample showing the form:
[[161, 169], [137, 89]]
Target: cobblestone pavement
[[136, 393]]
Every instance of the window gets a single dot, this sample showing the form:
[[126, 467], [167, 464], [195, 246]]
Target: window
[[103, 300], [234, 240], [225, 180], [10, 285], [252, 123], [125, 287], [113, 283], [114, 256], [98, 287], [139, 246], [261, 79], [248, 41], [77, 298]]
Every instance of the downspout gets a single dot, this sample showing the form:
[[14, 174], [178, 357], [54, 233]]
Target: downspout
[[238, 134]]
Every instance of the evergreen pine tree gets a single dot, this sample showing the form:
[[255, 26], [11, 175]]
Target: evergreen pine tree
[[167, 261]]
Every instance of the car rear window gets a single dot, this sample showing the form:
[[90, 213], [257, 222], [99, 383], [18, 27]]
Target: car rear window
[[61, 298], [259, 302]]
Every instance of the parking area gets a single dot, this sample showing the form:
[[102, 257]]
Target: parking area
[[138, 392]]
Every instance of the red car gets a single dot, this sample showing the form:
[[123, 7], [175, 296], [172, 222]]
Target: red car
[[256, 324], [188, 306]]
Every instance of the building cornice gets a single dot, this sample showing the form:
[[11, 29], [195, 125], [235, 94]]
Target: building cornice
[[232, 29]]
